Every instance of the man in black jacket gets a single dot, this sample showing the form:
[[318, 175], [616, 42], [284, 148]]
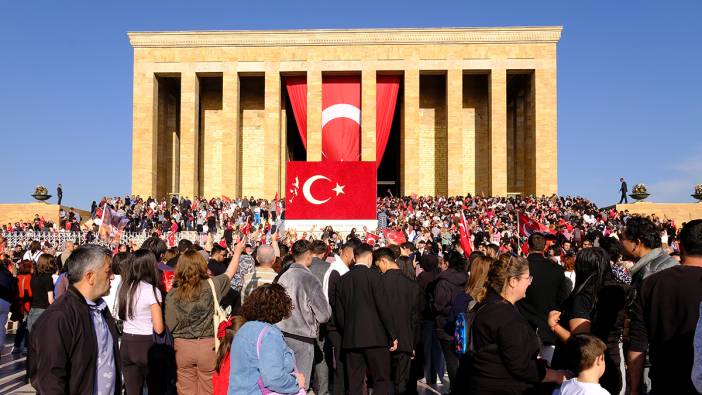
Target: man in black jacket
[[670, 301], [547, 292], [623, 189], [73, 348], [341, 265], [407, 301], [364, 318]]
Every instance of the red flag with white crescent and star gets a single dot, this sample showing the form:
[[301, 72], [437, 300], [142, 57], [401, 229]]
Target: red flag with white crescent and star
[[396, 237], [341, 118], [330, 190], [464, 231], [171, 240], [372, 238], [528, 225]]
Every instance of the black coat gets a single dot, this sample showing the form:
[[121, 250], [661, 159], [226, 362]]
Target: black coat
[[63, 348], [449, 283], [407, 302], [362, 311], [512, 366], [547, 292]]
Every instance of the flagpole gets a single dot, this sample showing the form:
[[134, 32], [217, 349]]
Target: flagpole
[[519, 233]]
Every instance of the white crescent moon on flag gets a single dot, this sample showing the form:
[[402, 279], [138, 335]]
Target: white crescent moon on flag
[[341, 111], [308, 185]]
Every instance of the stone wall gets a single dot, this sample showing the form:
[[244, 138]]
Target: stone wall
[[680, 212], [16, 212], [433, 166], [252, 116]]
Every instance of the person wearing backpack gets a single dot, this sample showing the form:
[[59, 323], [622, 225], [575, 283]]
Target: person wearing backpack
[[475, 287], [449, 283], [24, 290]]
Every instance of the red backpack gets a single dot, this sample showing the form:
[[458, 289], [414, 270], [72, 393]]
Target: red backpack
[[25, 292]]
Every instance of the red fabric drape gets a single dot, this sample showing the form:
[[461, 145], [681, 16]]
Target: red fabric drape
[[341, 118], [297, 91], [385, 100]]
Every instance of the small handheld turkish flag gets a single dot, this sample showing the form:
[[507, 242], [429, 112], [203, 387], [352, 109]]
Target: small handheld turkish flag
[[330, 190], [394, 236], [528, 225], [464, 230], [171, 239], [372, 238]]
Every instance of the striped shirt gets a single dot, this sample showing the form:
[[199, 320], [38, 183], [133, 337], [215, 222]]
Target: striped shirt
[[262, 275]]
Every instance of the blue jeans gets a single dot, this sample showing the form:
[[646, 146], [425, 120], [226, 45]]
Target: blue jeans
[[433, 356]]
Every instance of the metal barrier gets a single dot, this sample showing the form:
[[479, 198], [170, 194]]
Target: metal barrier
[[58, 239]]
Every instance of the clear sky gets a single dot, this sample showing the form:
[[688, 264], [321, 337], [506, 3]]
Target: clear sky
[[629, 83]]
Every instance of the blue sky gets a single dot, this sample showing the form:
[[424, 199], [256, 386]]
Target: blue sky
[[629, 83]]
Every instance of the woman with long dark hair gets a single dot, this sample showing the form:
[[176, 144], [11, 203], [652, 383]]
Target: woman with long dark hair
[[33, 252], [42, 286], [139, 308], [595, 306]]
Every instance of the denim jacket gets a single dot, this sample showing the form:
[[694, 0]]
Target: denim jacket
[[276, 365]]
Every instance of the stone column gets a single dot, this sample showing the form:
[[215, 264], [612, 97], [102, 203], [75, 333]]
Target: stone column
[[409, 173], [271, 133], [230, 135], [454, 109], [368, 115], [519, 161], [144, 134], [498, 132], [314, 115], [283, 146], [189, 134], [546, 144]]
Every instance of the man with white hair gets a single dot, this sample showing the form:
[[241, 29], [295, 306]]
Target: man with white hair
[[73, 347], [264, 273]]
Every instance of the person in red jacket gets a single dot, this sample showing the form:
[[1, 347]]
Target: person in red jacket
[[226, 332], [24, 277]]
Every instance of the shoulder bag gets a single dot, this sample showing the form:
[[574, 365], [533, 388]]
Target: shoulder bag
[[219, 314]]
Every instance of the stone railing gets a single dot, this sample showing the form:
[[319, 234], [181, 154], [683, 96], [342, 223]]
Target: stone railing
[[59, 239]]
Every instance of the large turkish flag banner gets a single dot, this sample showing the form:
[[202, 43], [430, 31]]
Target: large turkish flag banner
[[341, 118], [330, 190]]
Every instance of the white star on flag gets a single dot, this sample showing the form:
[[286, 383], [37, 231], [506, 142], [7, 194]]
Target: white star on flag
[[339, 189]]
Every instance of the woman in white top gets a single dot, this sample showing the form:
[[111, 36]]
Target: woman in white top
[[139, 307], [33, 252]]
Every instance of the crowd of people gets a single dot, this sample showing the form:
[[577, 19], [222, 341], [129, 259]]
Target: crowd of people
[[596, 301]]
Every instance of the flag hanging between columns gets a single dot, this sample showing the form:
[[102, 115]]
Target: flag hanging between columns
[[341, 118]]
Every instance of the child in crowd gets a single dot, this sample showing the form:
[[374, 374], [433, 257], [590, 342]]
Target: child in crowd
[[586, 355], [226, 332]]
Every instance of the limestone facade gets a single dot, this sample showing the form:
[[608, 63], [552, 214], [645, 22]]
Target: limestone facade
[[477, 107]]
